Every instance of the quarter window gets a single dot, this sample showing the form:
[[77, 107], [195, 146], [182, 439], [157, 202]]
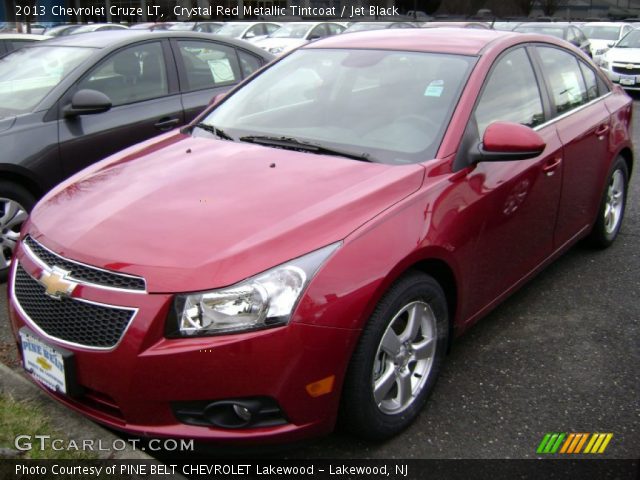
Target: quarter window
[[568, 90], [131, 75], [248, 63], [511, 93]]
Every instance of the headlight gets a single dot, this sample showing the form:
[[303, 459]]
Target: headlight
[[265, 300], [276, 49]]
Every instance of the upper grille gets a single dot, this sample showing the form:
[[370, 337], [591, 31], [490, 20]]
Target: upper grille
[[68, 319], [85, 273], [626, 71]]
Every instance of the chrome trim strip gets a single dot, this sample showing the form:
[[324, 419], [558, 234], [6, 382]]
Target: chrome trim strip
[[40, 262], [30, 323], [571, 112]]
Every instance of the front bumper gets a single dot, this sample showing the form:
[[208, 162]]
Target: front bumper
[[133, 386]]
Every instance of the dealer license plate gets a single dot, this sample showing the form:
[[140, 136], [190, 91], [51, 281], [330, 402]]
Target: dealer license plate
[[627, 80], [45, 363]]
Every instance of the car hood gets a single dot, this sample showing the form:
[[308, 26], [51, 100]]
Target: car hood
[[624, 55], [599, 44], [193, 214]]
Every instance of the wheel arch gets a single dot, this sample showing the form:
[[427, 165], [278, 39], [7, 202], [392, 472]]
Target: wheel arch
[[627, 155], [22, 177]]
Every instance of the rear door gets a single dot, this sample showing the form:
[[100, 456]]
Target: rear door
[[207, 68], [141, 82], [583, 123]]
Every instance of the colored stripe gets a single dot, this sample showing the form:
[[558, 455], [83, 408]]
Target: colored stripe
[[567, 442], [601, 437], [557, 444], [605, 443], [575, 442], [552, 440], [584, 439], [594, 437], [543, 443]]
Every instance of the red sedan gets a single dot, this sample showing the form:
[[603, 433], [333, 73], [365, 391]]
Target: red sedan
[[307, 249]]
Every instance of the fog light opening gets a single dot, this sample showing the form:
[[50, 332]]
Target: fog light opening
[[243, 412]]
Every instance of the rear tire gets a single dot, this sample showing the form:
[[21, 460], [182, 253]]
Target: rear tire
[[612, 206], [15, 204], [397, 360]]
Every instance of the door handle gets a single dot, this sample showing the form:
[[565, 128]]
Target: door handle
[[602, 129], [550, 166], [166, 123]]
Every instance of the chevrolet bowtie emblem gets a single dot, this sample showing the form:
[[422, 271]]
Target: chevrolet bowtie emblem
[[56, 283], [630, 66]]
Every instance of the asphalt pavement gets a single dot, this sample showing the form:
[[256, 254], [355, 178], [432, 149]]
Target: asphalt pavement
[[561, 355]]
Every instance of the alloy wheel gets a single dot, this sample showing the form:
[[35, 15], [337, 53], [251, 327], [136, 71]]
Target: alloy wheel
[[12, 216], [614, 202]]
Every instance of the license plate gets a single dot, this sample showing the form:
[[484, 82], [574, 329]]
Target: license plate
[[627, 80], [48, 365]]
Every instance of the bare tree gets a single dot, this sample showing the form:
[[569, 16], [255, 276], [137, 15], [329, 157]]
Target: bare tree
[[549, 7], [525, 6]]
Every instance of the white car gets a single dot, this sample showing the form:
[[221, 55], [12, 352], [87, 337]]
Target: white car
[[250, 31], [13, 41], [98, 27], [603, 34], [622, 61], [295, 34]]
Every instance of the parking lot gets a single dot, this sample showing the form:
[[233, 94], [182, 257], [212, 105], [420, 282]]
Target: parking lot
[[561, 355]]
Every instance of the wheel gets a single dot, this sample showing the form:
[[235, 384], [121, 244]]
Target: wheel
[[397, 360], [612, 205], [15, 204]]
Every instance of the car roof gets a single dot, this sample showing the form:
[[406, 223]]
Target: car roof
[[606, 24], [464, 41], [116, 38]]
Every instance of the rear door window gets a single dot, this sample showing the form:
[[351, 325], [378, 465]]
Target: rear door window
[[568, 90]]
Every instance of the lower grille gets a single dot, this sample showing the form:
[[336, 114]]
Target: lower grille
[[626, 71], [69, 319]]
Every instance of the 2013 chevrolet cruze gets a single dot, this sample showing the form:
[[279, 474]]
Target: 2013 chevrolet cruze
[[306, 250]]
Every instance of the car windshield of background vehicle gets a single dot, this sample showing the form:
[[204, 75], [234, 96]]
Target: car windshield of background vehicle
[[392, 107], [28, 75], [232, 29], [630, 40], [554, 32], [602, 33], [292, 30]]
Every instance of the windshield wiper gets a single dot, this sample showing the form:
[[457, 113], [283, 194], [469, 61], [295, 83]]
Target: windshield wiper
[[216, 131], [303, 145]]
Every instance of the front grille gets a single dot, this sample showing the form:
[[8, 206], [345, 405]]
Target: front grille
[[69, 319], [626, 71], [85, 273]]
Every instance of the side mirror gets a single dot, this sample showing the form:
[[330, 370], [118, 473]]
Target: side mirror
[[85, 102], [611, 44], [217, 99], [506, 141], [315, 36], [249, 35]]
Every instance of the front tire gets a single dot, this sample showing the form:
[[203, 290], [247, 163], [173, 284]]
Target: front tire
[[15, 204], [398, 358], [612, 206]]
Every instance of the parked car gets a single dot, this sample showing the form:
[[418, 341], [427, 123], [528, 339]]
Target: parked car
[[477, 25], [282, 263], [252, 31], [602, 36], [622, 61], [74, 100], [98, 27], [151, 26], [13, 41], [62, 30], [364, 26], [296, 34], [207, 27], [566, 31]]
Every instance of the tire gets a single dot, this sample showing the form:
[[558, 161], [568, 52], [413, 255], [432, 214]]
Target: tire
[[612, 206], [15, 204], [384, 392]]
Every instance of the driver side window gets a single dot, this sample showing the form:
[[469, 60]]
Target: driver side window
[[511, 93]]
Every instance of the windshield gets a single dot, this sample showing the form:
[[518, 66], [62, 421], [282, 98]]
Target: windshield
[[630, 40], [554, 32], [292, 30], [390, 106], [232, 29], [182, 26], [601, 33], [29, 74]]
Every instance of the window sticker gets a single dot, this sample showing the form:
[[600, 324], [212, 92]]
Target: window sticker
[[572, 87], [221, 70], [434, 89]]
